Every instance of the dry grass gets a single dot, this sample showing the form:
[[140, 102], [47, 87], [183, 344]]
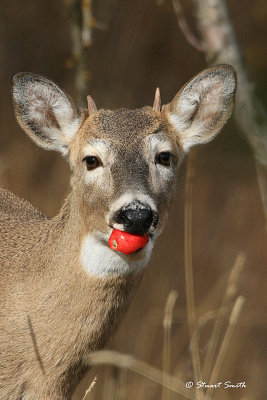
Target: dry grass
[[109, 357], [167, 325], [230, 292], [164, 378], [91, 387], [189, 280], [225, 343]]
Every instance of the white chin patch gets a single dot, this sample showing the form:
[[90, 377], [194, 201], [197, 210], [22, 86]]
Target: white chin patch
[[100, 261]]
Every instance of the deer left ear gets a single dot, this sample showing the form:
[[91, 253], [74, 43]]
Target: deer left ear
[[45, 112], [203, 105]]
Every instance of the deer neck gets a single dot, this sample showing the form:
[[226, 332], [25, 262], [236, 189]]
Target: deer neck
[[83, 309], [105, 279]]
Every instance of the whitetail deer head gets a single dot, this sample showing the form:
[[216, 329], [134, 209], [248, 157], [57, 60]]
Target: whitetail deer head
[[124, 162]]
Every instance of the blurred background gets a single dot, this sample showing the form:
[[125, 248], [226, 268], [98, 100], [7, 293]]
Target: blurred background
[[136, 47]]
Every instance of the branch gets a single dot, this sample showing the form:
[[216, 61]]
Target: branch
[[221, 46], [77, 60], [181, 21], [219, 43], [81, 24]]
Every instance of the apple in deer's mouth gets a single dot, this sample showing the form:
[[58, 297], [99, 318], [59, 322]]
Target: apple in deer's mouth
[[127, 243]]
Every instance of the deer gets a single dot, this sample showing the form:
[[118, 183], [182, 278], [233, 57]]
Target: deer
[[63, 288]]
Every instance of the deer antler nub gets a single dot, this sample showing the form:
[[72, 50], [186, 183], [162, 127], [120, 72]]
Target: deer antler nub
[[91, 105], [157, 101]]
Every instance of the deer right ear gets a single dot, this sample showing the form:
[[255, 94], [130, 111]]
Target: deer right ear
[[45, 112], [203, 105]]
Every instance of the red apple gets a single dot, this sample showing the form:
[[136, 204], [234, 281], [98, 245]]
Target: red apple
[[127, 243]]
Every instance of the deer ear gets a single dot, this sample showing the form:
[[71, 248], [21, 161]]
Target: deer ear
[[45, 112], [203, 105]]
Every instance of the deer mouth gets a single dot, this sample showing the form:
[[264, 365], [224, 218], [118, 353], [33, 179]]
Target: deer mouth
[[127, 243]]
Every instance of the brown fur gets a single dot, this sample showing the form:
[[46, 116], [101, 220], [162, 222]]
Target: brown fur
[[45, 334], [52, 311]]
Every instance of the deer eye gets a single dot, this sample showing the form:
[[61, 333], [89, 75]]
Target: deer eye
[[163, 158], [92, 162]]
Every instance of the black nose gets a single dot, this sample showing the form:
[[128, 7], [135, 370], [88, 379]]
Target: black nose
[[135, 218]]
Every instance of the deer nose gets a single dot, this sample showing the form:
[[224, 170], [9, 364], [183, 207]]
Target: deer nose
[[136, 218]]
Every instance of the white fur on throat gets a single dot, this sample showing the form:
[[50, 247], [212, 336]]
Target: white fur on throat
[[100, 261]]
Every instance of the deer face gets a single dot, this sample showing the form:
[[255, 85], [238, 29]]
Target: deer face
[[125, 162]]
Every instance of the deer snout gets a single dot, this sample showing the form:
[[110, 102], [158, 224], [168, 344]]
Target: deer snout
[[136, 218]]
